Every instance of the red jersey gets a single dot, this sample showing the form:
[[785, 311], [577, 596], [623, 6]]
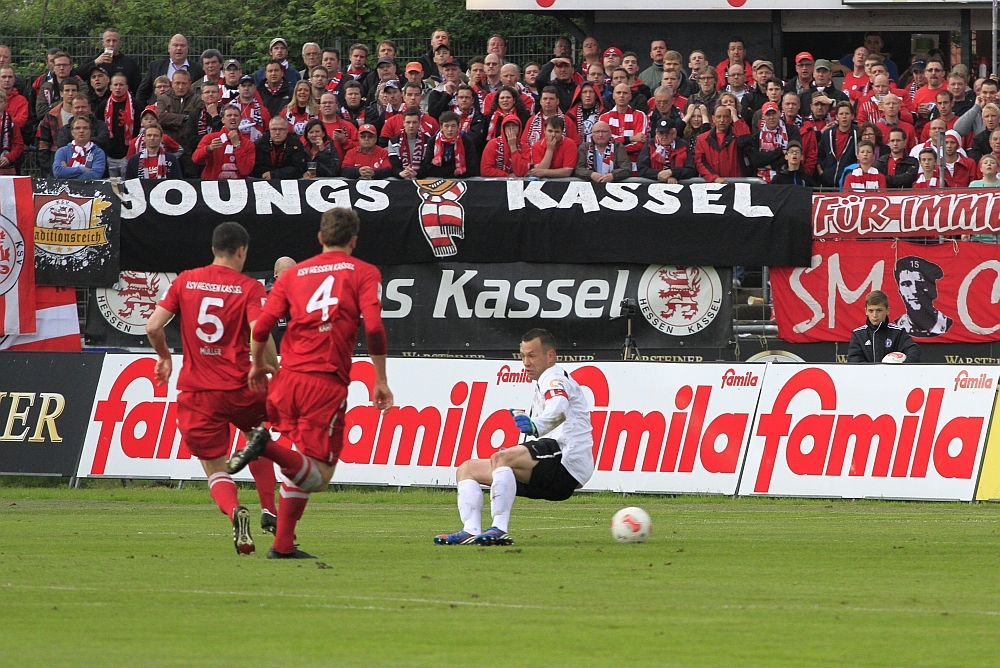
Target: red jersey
[[349, 130], [564, 156], [394, 126], [216, 305], [325, 297], [860, 180], [855, 86], [377, 159]]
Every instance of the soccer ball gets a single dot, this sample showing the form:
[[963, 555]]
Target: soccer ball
[[894, 358], [631, 525]]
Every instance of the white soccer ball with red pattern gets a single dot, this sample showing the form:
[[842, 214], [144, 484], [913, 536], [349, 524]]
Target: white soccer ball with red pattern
[[631, 525], [894, 358]]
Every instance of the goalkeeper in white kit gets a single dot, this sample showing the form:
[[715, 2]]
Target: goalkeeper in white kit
[[559, 462]]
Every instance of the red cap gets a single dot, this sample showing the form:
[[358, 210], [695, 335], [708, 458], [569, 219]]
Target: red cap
[[612, 49], [769, 106], [803, 55], [368, 127]]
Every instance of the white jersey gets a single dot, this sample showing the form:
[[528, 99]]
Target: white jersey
[[560, 411]]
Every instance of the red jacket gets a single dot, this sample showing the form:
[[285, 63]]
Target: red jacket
[[488, 164], [17, 107], [15, 141], [713, 160], [222, 165], [965, 172]]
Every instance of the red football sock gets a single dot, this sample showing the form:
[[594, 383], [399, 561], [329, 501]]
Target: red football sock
[[298, 470], [262, 470], [285, 458], [223, 491], [293, 504]]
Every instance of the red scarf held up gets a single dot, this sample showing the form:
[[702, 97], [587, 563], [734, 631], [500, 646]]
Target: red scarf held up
[[126, 119], [458, 146]]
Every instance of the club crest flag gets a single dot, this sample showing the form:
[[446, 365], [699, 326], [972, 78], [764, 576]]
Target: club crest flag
[[17, 256]]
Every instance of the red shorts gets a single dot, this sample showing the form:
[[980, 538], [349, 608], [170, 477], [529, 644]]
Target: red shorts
[[309, 409], [204, 418]]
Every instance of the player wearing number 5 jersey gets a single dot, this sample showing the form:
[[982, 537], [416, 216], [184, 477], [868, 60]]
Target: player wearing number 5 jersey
[[551, 467], [218, 306], [324, 298]]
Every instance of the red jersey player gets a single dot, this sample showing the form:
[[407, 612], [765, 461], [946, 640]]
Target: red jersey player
[[325, 298], [218, 306]]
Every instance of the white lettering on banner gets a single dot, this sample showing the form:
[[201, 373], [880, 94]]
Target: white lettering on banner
[[743, 206], [657, 427], [494, 301], [795, 280], [702, 196], [393, 293], [133, 199], [158, 197], [339, 197], [238, 196], [267, 197], [661, 201], [620, 197], [839, 431], [579, 192], [372, 190], [963, 297], [837, 285], [518, 192]]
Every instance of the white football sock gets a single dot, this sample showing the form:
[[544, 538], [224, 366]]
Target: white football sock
[[470, 506], [502, 493]]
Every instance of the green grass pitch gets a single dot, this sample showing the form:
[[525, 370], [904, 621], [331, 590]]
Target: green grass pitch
[[149, 577]]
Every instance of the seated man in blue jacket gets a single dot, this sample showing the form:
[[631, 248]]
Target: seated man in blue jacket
[[81, 158], [878, 337]]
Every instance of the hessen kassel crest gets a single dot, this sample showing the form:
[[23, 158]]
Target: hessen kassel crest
[[442, 218], [66, 225], [128, 304], [680, 301], [11, 255]]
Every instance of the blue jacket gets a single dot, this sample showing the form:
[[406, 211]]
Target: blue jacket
[[95, 168]]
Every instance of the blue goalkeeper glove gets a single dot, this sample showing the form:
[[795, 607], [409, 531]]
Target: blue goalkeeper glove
[[524, 423]]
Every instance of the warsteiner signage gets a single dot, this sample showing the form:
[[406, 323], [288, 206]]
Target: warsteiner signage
[[45, 404], [167, 225], [76, 233]]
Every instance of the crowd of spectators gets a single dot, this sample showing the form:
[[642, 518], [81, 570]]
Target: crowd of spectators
[[371, 115]]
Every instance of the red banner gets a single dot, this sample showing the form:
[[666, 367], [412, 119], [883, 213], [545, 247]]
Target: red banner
[[940, 293], [901, 213]]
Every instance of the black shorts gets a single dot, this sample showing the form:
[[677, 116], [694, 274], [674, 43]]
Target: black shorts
[[549, 479]]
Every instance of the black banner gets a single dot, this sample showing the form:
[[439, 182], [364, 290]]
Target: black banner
[[45, 404], [460, 307], [77, 227], [167, 225], [116, 316]]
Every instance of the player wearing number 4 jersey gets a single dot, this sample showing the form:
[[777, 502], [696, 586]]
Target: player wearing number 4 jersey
[[217, 306], [549, 468], [325, 298]]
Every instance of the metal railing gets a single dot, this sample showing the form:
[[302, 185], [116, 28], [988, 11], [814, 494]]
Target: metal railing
[[28, 52]]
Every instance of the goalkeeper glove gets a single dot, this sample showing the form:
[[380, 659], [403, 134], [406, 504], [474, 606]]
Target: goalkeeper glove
[[524, 423]]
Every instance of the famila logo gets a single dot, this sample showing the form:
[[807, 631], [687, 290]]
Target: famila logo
[[963, 381], [730, 379], [505, 375]]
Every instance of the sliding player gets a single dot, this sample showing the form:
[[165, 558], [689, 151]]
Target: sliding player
[[325, 298], [550, 468], [218, 306]]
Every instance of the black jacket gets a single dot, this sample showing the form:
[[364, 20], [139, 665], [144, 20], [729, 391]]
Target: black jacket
[[870, 344], [159, 68], [119, 63], [293, 164], [907, 171], [681, 161], [827, 158], [980, 145], [327, 162], [173, 167], [771, 159], [98, 134], [277, 101], [447, 169], [797, 178]]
